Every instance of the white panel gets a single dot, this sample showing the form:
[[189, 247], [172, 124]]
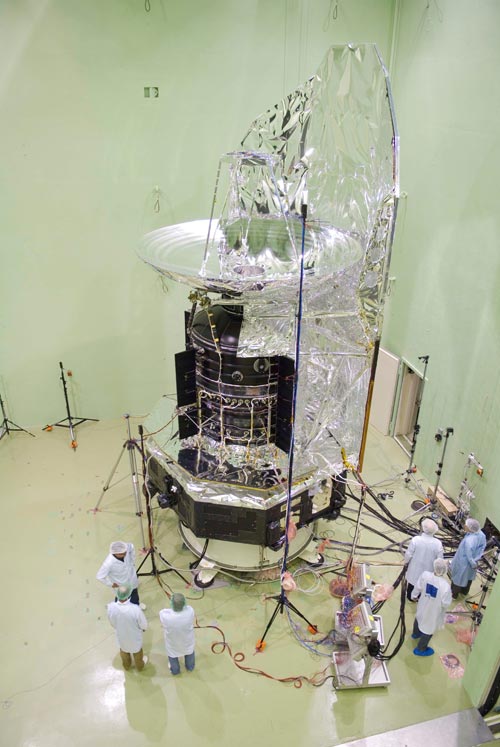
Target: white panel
[[384, 389]]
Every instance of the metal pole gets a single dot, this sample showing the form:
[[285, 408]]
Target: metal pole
[[73, 440], [438, 437], [135, 481]]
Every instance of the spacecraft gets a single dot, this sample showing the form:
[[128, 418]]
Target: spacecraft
[[287, 280]]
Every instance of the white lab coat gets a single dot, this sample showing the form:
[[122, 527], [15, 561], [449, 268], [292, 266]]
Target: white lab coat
[[420, 556], [178, 631], [431, 609], [121, 572], [129, 622]]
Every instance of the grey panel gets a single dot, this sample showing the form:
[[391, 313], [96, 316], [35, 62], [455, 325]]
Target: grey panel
[[462, 729]]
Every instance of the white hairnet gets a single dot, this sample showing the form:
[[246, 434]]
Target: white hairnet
[[472, 525], [429, 526], [118, 547], [440, 567]]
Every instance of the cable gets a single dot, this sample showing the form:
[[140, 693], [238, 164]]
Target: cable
[[401, 624], [239, 657], [6, 703]]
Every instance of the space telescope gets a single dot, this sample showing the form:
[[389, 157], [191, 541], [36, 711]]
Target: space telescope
[[297, 248]]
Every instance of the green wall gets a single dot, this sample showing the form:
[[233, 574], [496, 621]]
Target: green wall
[[446, 299], [82, 151]]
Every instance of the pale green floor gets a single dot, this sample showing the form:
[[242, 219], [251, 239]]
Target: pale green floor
[[62, 682]]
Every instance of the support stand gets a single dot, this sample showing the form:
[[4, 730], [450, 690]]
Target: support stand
[[150, 551], [416, 427], [70, 424], [439, 437], [7, 425], [477, 614], [130, 445], [281, 599]]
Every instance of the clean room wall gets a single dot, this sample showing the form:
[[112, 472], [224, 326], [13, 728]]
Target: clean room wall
[[83, 151], [445, 301]]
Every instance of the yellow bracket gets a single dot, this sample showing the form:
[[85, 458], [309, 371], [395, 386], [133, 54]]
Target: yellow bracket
[[346, 462]]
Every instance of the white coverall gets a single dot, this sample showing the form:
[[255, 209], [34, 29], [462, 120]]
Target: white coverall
[[129, 622], [119, 572], [432, 604], [422, 551], [178, 631]]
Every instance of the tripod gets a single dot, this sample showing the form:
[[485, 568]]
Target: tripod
[[416, 427], [61, 423], [130, 445], [281, 599], [7, 425], [150, 552]]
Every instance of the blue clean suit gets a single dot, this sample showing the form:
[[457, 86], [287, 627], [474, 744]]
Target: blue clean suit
[[463, 565]]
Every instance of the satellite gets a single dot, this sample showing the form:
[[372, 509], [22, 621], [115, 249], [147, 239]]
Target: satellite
[[287, 280]]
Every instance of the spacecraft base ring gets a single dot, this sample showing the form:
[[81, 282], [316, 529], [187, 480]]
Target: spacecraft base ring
[[238, 556]]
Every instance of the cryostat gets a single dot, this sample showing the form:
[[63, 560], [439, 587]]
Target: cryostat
[[286, 284]]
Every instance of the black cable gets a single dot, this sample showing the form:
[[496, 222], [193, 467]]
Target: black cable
[[450, 541], [197, 562], [401, 624]]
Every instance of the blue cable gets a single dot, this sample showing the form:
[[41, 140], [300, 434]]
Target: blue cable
[[294, 398]]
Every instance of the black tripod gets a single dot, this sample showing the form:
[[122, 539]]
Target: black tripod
[[150, 552], [70, 424], [7, 425], [281, 599], [416, 427]]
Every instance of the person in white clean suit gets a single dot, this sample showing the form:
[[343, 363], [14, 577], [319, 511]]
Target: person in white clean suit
[[435, 598], [422, 551], [129, 622], [119, 569], [178, 632]]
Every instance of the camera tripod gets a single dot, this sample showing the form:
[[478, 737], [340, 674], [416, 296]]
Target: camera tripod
[[70, 424], [7, 425], [131, 446]]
